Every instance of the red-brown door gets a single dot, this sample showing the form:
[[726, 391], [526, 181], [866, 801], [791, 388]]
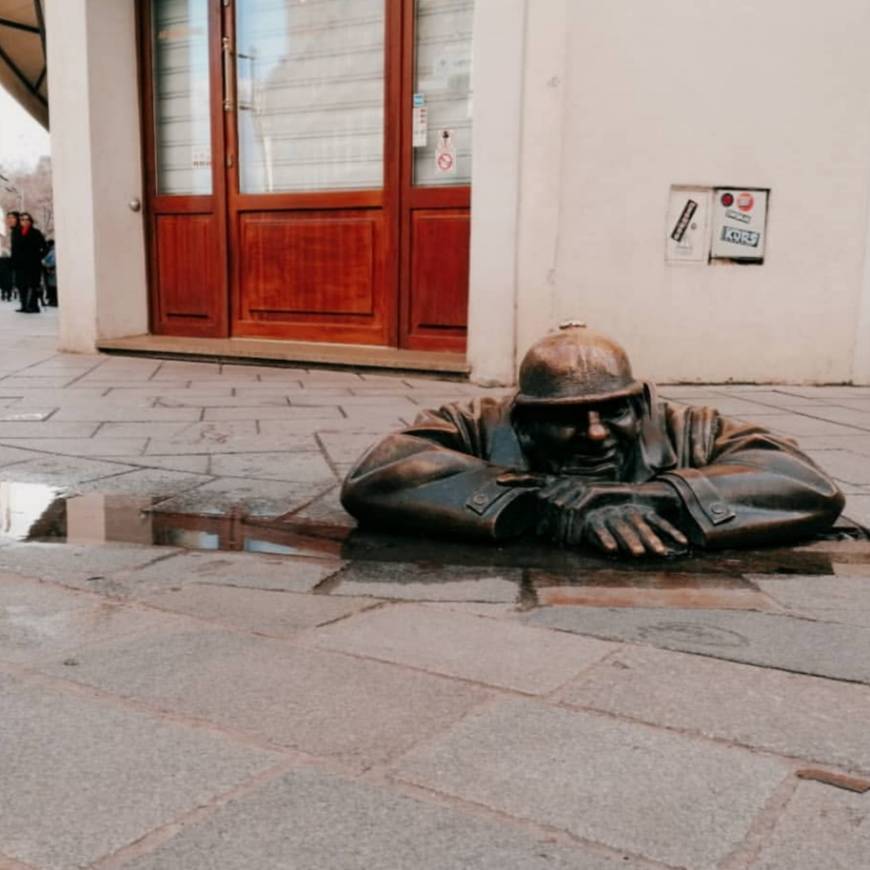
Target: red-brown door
[[295, 191], [185, 182]]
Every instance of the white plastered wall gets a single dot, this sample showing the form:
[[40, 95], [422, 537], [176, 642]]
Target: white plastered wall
[[623, 99], [497, 60], [96, 155]]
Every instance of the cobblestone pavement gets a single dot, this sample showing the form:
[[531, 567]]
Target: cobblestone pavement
[[162, 707]]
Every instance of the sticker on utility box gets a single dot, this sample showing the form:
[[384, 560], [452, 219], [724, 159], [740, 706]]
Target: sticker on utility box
[[688, 225], [739, 219]]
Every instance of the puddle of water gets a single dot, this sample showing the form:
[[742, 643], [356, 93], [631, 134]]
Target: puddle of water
[[32, 512]]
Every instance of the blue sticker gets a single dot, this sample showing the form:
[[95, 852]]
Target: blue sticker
[[736, 236], [419, 101]]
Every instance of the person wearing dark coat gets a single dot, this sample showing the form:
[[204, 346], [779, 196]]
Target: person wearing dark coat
[[585, 455], [28, 249]]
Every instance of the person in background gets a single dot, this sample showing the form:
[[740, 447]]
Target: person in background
[[7, 274], [49, 272], [28, 249]]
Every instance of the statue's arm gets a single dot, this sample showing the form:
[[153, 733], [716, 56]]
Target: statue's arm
[[429, 480], [756, 487]]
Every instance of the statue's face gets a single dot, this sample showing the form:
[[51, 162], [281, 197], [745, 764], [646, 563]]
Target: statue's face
[[593, 441]]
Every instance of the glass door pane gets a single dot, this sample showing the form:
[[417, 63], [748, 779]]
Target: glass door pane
[[310, 94], [181, 97], [442, 92]]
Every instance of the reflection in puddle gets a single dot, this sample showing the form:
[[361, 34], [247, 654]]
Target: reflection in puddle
[[539, 574], [28, 509]]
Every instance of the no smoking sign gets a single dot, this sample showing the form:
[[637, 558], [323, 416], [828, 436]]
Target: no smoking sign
[[445, 153]]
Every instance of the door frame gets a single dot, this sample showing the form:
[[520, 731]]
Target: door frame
[[398, 200]]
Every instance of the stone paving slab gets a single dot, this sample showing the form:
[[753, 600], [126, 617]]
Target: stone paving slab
[[151, 482], [797, 425], [459, 645], [841, 599], [302, 441], [75, 566], [356, 711], [296, 467], [327, 411], [66, 470], [32, 415], [80, 779], [161, 429], [83, 447], [245, 570], [15, 455], [685, 802], [787, 397], [822, 828], [824, 649], [733, 407], [270, 613], [309, 819], [788, 714], [108, 411], [327, 509], [209, 402], [856, 443], [18, 382], [843, 465], [256, 497], [51, 429], [49, 625], [424, 582], [191, 463], [346, 446]]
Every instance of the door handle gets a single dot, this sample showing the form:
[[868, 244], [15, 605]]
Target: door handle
[[229, 98]]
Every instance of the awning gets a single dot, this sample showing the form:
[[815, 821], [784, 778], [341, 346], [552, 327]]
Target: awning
[[22, 55]]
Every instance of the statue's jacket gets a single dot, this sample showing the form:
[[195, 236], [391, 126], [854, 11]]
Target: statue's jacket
[[461, 471]]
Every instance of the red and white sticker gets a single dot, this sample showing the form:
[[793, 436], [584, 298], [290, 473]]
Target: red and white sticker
[[445, 153], [745, 201]]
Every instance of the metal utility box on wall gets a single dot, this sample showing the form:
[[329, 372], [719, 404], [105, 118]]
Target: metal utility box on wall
[[739, 222]]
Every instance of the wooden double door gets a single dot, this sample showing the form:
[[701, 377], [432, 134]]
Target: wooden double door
[[308, 169]]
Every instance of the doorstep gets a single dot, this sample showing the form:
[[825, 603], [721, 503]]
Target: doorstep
[[288, 352]]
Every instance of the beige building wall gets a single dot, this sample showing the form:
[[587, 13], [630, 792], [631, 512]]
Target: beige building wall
[[585, 114], [622, 100], [96, 157]]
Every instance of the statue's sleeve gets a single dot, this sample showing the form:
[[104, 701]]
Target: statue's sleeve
[[747, 485], [434, 478]]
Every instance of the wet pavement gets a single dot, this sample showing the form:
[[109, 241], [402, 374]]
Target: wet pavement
[[204, 664]]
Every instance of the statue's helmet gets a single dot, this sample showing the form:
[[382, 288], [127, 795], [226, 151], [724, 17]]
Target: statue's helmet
[[575, 365]]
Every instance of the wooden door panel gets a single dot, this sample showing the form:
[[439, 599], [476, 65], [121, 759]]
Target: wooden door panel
[[190, 275], [322, 263], [438, 292]]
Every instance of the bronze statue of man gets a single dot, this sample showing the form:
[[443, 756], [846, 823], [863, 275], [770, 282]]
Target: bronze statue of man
[[584, 454]]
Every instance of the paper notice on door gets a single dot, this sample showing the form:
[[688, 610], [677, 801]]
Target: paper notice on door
[[420, 122], [200, 158], [445, 153]]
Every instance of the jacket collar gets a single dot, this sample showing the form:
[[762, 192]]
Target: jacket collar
[[655, 453]]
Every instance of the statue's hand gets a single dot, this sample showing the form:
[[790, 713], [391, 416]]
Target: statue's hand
[[612, 517], [631, 529]]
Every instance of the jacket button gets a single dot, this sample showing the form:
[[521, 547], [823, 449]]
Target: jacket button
[[479, 499], [718, 508]]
